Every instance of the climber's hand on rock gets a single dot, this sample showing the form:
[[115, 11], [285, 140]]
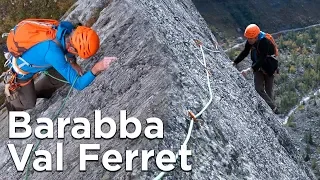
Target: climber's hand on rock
[[102, 65]]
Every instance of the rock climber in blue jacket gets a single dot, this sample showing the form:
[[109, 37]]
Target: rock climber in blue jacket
[[58, 58]]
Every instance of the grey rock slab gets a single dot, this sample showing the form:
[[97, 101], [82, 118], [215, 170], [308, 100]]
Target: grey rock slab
[[158, 75]]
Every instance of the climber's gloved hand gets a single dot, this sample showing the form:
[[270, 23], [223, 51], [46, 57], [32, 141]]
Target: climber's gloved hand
[[246, 71], [102, 65]]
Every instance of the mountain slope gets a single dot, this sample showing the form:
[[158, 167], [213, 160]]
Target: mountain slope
[[229, 18]]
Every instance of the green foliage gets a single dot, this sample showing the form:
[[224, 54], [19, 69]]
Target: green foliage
[[294, 54], [290, 122], [288, 99], [280, 42], [314, 164], [317, 64], [23, 9], [292, 69], [300, 40], [233, 53], [301, 108], [213, 29], [302, 87], [318, 46], [312, 32], [282, 78], [243, 13], [299, 66], [308, 138]]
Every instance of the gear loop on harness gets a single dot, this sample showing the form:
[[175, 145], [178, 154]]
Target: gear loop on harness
[[11, 82]]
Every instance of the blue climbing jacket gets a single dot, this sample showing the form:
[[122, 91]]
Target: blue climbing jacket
[[49, 54]]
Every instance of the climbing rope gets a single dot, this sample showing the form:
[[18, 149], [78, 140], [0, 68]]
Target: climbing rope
[[47, 73], [210, 50], [55, 117], [194, 117]]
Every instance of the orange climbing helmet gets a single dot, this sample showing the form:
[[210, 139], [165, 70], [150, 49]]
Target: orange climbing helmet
[[252, 31], [86, 41]]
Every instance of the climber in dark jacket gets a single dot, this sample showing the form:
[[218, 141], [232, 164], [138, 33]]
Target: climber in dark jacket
[[264, 65]]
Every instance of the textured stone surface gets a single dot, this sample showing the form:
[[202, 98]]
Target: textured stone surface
[[158, 75], [304, 126]]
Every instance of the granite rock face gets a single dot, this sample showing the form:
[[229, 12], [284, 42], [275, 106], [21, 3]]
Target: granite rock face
[[158, 74], [304, 125]]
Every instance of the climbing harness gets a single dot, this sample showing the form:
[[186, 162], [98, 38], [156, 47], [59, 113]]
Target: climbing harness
[[12, 84], [9, 77]]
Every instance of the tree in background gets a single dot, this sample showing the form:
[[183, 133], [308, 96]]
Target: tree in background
[[318, 46]]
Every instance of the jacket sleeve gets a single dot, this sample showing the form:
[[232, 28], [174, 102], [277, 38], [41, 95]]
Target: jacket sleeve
[[261, 55], [244, 53], [56, 58]]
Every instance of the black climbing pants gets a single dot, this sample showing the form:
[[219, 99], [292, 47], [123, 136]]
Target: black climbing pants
[[263, 84]]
